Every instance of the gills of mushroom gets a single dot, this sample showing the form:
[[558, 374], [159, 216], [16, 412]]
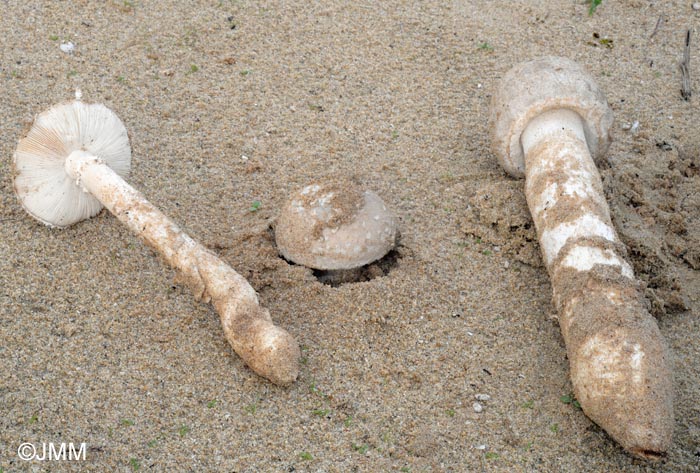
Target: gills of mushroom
[[71, 163], [549, 120]]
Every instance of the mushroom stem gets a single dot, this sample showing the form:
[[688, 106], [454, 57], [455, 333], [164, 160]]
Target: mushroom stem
[[269, 350], [619, 366]]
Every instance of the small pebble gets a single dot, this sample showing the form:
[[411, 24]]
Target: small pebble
[[67, 47], [696, 6], [477, 407], [482, 397]]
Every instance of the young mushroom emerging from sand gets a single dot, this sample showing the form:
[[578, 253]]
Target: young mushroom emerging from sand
[[549, 119], [71, 163], [335, 226]]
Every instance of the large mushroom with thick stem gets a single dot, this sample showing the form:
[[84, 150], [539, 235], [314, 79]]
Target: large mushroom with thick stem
[[71, 163], [549, 120]]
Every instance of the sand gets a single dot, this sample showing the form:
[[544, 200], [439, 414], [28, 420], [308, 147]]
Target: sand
[[229, 103]]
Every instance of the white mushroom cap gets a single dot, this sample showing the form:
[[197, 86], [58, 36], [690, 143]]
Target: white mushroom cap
[[335, 226], [42, 185], [540, 85]]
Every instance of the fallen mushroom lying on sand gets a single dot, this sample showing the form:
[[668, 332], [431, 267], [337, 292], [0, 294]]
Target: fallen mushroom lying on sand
[[549, 119], [335, 226], [71, 163]]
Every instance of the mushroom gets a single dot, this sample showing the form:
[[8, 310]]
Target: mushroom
[[549, 120], [71, 163], [335, 226]]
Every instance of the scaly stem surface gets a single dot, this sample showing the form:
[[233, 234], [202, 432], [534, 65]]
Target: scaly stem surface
[[269, 350], [619, 366]]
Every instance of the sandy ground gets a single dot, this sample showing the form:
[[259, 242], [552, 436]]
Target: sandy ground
[[232, 102]]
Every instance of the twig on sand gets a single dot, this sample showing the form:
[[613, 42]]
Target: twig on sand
[[659, 22], [685, 69]]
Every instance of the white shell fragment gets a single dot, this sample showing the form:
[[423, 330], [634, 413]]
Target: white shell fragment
[[42, 185], [68, 47], [335, 226]]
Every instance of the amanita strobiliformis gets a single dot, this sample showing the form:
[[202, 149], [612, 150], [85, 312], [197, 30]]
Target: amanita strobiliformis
[[335, 226], [71, 163], [549, 119]]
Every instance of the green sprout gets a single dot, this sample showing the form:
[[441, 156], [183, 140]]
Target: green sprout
[[594, 5], [255, 206], [135, 465], [183, 430], [127, 422], [314, 389], [570, 399], [212, 403], [305, 456], [528, 404], [361, 449], [485, 46], [53, 37], [321, 412], [491, 455]]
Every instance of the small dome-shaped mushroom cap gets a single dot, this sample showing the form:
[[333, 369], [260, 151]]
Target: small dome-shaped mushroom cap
[[41, 183], [335, 226], [540, 85]]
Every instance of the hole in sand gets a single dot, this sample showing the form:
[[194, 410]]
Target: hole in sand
[[377, 269], [649, 454]]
